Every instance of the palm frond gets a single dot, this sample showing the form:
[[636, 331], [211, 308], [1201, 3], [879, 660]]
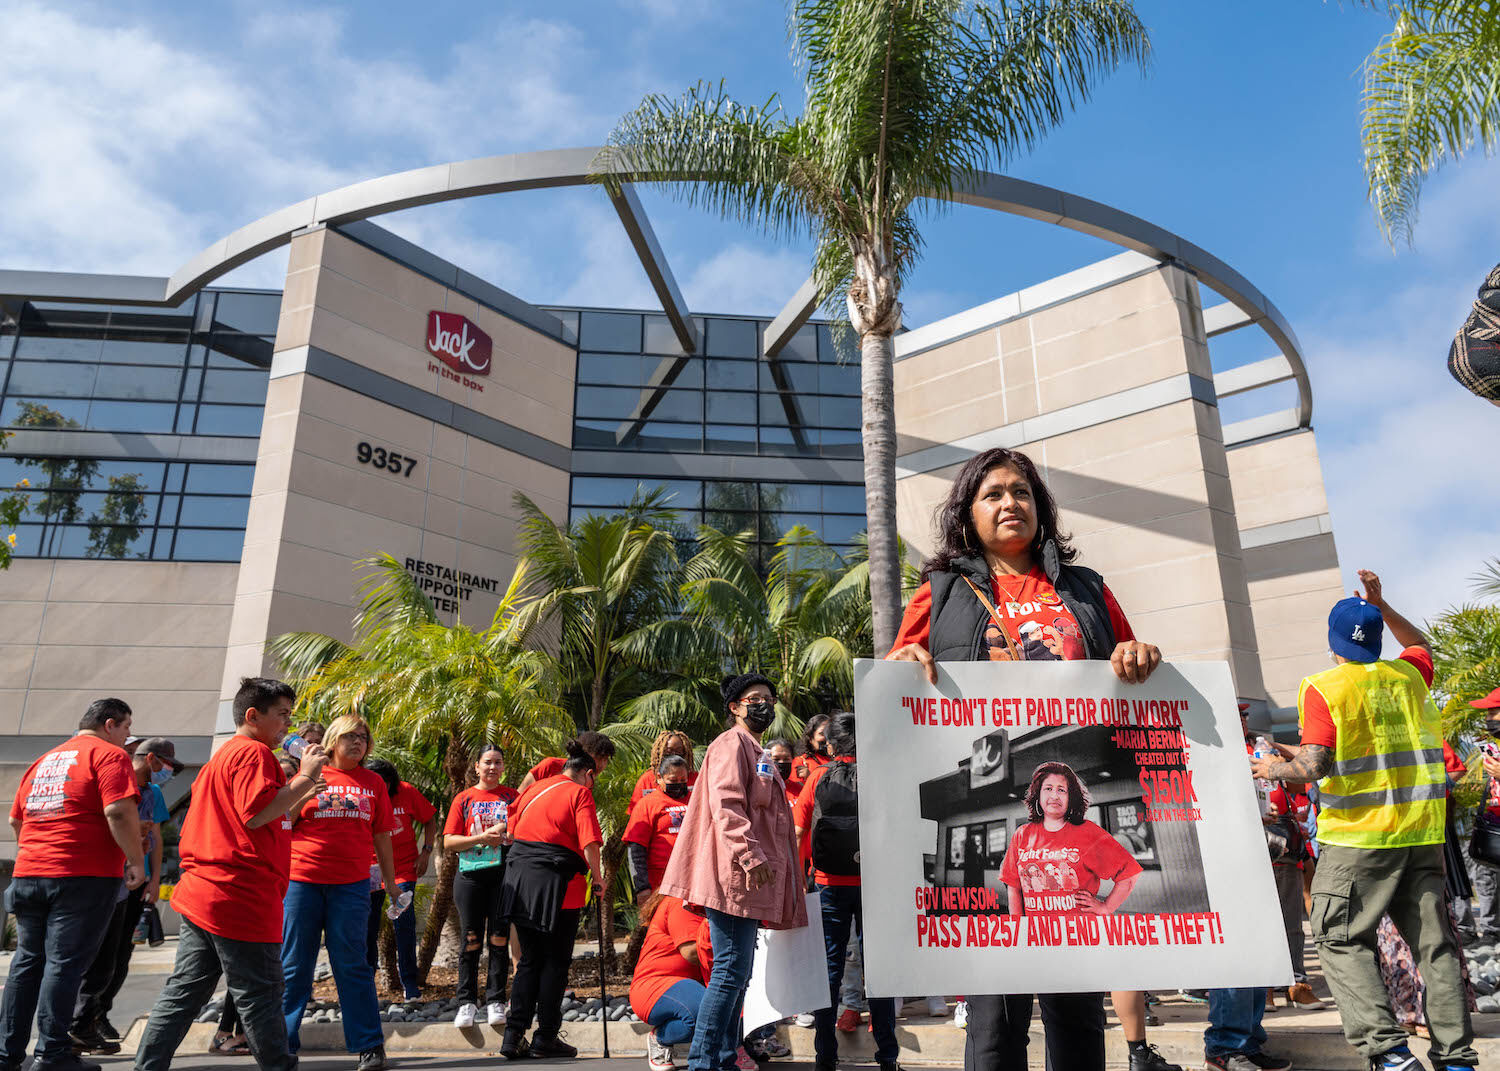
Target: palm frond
[[389, 597], [300, 655]]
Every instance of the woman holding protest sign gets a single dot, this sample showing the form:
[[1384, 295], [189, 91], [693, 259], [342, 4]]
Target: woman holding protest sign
[[737, 859], [1003, 586]]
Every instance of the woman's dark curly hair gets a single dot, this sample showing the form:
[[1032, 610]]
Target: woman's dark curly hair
[[1078, 796], [954, 519], [816, 722]]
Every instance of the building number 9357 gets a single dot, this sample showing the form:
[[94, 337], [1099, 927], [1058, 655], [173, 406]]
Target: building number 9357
[[381, 458]]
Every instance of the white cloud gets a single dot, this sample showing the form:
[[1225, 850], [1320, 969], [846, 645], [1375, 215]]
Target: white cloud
[[744, 278]]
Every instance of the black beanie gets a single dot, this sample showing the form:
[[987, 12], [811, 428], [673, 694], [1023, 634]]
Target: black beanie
[[734, 687]]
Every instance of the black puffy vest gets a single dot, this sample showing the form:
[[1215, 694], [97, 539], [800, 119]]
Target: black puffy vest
[[958, 618]]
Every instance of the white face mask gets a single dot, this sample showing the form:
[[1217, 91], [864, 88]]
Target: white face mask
[[162, 776]]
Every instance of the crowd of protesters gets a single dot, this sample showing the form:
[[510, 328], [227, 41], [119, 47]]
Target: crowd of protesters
[[287, 852]]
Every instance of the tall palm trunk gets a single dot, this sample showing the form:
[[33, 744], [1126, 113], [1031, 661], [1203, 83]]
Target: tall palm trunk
[[456, 766], [609, 867], [875, 313]]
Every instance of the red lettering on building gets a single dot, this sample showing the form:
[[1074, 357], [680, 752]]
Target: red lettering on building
[[459, 343]]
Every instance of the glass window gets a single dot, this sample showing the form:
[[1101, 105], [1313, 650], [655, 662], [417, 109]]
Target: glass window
[[147, 474], [733, 338], [131, 416], [615, 332], [241, 420], [803, 346], [839, 379], [595, 435], [208, 545], [133, 321], [125, 381], [50, 317], [731, 407], [129, 351], [672, 404], [187, 416], [844, 497], [660, 337], [839, 412], [237, 351], [24, 413], [660, 435], [730, 521], [729, 438], [772, 411], [778, 441], [28, 541], [174, 477], [43, 347], [778, 524], [44, 379], [611, 370], [834, 443], [213, 511], [169, 504], [793, 496], [114, 540], [222, 385], [220, 479], [616, 491], [251, 314], [840, 529], [731, 375], [844, 350], [192, 383], [608, 402]]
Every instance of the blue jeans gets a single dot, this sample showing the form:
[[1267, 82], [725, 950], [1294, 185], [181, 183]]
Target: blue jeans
[[843, 910], [340, 912], [1234, 1017], [675, 1013], [716, 1035], [58, 930], [406, 939]]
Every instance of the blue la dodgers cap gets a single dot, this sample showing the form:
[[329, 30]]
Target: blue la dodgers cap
[[1356, 630]]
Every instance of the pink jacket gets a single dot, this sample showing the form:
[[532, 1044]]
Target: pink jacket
[[736, 820]]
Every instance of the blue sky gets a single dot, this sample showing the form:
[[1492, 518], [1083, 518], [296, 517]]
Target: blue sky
[[138, 133]]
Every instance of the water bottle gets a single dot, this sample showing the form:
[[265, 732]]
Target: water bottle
[[294, 745], [1263, 750], [397, 907], [765, 766]]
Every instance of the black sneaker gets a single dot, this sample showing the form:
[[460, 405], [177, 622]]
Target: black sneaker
[[107, 1028], [69, 1062], [92, 1040], [514, 1047], [372, 1059], [1149, 1058], [1269, 1062], [543, 1047]]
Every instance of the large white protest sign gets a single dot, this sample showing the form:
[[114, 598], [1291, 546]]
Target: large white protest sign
[[790, 973], [1042, 827]]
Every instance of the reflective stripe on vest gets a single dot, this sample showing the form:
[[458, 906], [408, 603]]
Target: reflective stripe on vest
[[1387, 787]]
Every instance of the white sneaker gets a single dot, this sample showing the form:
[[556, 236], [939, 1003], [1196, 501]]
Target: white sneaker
[[804, 1020], [937, 1007], [496, 1013], [961, 1015], [465, 1017], [658, 1056]]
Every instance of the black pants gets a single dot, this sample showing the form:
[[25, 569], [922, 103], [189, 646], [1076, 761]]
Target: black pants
[[476, 893], [542, 976], [998, 1026], [111, 963]]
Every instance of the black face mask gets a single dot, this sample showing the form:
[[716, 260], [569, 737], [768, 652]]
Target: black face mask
[[785, 770], [758, 716], [821, 749], [678, 790]]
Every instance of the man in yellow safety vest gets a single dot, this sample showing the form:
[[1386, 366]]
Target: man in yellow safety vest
[[1372, 739]]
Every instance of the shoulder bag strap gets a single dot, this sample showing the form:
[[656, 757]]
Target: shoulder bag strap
[[989, 606]]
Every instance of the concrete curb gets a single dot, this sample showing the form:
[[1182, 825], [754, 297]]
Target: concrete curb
[[928, 1044]]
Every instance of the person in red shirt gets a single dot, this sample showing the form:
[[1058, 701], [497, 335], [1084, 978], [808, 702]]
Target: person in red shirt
[[666, 988], [333, 837], [812, 748], [1004, 586], [476, 829], [77, 826], [555, 841], [654, 822], [407, 806], [668, 742], [596, 746], [236, 853]]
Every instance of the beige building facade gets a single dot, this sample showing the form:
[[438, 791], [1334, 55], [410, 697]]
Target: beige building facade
[[208, 466]]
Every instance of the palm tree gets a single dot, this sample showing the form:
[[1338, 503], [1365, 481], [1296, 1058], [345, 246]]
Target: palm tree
[[1432, 89], [425, 686], [905, 100]]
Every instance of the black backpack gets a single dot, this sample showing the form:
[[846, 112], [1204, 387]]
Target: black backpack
[[835, 820]]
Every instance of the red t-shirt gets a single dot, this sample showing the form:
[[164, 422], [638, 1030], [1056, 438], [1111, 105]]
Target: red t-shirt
[[233, 877], [61, 802], [563, 815], [1049, 867], [802, 816], [473, 811], [804, 765], [1040, 627], [648, 784], [661, 965], [333, 841], [1317, 723], [409, 806], [547, 768], [705, 951], [653, 825]]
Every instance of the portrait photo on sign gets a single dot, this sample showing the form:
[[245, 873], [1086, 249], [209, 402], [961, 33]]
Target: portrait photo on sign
[[1059, 822]]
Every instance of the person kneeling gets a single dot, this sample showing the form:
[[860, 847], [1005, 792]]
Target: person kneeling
[[668, 985]]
